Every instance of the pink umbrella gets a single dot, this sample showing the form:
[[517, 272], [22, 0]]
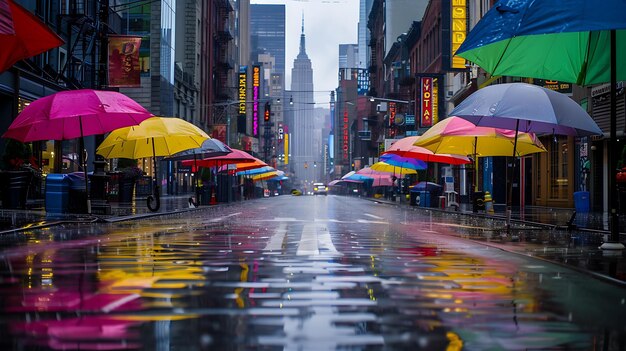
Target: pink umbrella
[[380, 178], [237, 156], [76, 113]]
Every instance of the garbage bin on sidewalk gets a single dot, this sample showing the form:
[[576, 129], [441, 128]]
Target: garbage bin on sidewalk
[[57, 193], [423, 199], [478, 201], [581, 201], [77, 193], [413, 198]]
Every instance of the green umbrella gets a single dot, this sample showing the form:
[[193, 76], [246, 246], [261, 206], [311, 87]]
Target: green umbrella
[[576, 41]]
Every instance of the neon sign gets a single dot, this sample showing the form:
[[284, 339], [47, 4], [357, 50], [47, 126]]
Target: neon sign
[[256, 79]]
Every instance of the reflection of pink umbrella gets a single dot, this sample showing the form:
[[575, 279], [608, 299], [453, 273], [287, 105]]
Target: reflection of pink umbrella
[[85, 333], [22, 35], [76, 113]]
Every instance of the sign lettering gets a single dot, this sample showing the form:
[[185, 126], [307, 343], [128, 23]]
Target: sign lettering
[[458, 31]]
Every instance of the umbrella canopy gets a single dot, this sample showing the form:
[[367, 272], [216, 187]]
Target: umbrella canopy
[[372, 173], [404, 162], [209, 148], [455, 135], [22, 35], [265, 176], [380, 178], [348, 174], [253, 171], [157, 136], [60, 117], [426, 186], [236, 156], [405, 147], [246, 166], [526, 108], [541, 39], [360, 177], [385, 167]]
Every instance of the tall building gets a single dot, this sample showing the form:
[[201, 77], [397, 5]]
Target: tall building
[[267, 33], [364, 34], [304, 157], [348, 56]]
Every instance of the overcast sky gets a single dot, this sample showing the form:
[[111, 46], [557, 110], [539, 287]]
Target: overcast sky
[[327, 23]]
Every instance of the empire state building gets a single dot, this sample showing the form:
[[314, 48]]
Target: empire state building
[[302, 152]]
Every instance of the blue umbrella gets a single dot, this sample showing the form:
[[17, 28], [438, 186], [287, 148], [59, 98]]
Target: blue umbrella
[[404, 162], [526, 108], [254, 171]]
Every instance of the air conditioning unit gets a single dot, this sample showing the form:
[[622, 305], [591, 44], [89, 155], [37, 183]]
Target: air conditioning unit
[[382, 107]]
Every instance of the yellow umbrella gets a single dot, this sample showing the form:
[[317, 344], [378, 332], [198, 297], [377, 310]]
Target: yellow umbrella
[[156, 136], [455, 135], [385, 167]]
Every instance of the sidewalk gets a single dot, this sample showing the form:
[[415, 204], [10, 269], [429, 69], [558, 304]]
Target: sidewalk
[[15, 220]]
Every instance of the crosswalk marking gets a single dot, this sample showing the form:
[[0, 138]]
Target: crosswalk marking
[[276, 241], [308, 241], [372, 216]]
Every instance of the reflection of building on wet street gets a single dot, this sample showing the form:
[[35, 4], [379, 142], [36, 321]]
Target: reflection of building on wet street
[[307, 272]]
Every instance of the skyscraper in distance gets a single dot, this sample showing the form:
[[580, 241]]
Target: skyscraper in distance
[[304, 156], [267, 33]]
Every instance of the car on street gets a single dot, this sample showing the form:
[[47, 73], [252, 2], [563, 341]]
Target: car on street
[[320, 189]]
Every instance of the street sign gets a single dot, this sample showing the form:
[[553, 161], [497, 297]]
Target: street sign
[[409, 120]]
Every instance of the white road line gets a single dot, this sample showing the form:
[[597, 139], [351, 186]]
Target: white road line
[[284, 219], [308, 241], [325, 242], [370, 222], [372, 216], [276, 241], [219, 219]]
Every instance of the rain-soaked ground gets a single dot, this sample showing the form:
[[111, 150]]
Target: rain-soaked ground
[[302, 273]]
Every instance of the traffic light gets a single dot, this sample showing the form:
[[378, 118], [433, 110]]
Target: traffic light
[[266, 116]]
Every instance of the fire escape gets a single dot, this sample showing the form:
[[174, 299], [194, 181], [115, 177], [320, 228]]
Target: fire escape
[[224, 62], [81, 23]]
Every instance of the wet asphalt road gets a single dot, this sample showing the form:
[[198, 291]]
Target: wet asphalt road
[[295, 273]]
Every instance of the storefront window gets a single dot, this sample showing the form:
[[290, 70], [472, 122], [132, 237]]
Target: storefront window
[[558, 165]]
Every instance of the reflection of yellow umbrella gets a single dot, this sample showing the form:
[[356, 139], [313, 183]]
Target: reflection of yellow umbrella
[[156, 136], [385, 167], [455, 135]]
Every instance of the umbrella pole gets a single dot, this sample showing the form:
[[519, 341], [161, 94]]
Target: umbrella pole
[[155, 186], [84, 159], [509, 197], [613, 243]]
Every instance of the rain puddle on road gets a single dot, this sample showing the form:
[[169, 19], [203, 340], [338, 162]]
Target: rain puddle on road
[[236, 283]]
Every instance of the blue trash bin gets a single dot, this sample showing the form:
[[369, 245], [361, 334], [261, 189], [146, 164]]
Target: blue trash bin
[[57, 193], [423, 199], [581, 201]]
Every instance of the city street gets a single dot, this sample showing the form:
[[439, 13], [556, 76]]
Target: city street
[[297, 273]]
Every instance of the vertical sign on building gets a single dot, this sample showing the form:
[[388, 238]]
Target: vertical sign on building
[[426, 95], [256, 82], [286, 148], [458, 31], [124, 64], [243, 91], [435, 100], [345, 141]]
